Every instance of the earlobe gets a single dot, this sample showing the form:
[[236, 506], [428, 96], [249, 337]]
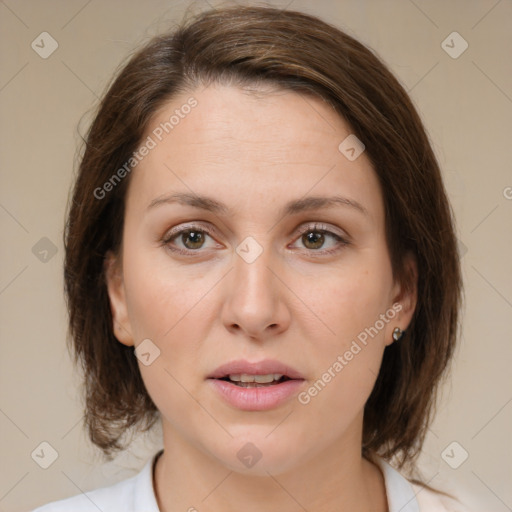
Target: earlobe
[[116, 292]]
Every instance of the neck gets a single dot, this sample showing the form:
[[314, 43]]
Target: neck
[[187, 479]]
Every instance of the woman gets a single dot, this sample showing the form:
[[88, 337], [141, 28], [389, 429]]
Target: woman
[[260, 254]]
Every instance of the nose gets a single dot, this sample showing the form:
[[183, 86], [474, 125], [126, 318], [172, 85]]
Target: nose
[[256, 302]]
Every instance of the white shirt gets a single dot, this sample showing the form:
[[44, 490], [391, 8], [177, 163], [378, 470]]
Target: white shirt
[[136, 494]]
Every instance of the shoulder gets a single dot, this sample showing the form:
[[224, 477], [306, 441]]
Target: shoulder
[[130, 495], [431, 501]]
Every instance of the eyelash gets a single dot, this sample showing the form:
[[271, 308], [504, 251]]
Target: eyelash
[[316, 228]]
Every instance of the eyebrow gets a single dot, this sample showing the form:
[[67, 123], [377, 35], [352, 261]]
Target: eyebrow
[[290, 208]]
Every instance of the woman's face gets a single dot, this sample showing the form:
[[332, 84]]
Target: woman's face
[[271, 257]]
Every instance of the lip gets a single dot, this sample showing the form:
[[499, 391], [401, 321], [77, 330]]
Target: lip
[[257, 398]]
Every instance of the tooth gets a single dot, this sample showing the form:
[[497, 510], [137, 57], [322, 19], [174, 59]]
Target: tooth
[[264, 379], [260, 379]]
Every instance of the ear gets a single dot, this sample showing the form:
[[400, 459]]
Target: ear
[[405, 296], [116, 292]]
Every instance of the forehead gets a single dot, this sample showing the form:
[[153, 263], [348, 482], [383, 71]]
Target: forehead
[[238, 120], [270, 144]]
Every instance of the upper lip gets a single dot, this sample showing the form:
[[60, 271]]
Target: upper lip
[[264, 367]]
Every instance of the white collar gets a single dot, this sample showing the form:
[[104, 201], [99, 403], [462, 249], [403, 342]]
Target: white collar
[[400, 494]]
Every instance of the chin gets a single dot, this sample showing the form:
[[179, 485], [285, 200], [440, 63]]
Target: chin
[[256, 454]]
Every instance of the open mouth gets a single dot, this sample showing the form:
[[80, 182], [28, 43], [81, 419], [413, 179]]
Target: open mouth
[[255, 381], [258, 386]]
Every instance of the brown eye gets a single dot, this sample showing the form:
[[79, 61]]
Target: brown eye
[[192, 239], [318, 239], [313, 239], [189, 240]]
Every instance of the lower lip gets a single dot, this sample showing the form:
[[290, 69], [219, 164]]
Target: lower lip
[[259, 398]]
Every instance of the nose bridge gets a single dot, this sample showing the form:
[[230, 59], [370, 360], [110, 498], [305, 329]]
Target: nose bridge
[[252, 275], [254, 301]]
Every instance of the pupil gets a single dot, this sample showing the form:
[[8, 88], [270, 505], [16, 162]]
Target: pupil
[[315, 238], [196, 238]]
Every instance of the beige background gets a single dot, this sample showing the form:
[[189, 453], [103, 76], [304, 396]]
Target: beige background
[[466, 104]]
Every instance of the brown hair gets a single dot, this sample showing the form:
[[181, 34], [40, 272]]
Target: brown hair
[[293, 51]]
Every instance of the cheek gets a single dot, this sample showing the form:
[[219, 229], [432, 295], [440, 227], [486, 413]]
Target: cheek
[[162, 297], [346, 363], [172, 308], [354, 309], [351, 301]]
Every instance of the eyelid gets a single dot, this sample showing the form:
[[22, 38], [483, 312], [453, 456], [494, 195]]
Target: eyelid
[[177, 230], [320, 226]]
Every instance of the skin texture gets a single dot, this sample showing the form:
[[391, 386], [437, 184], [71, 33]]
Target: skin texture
[[296, 302]]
